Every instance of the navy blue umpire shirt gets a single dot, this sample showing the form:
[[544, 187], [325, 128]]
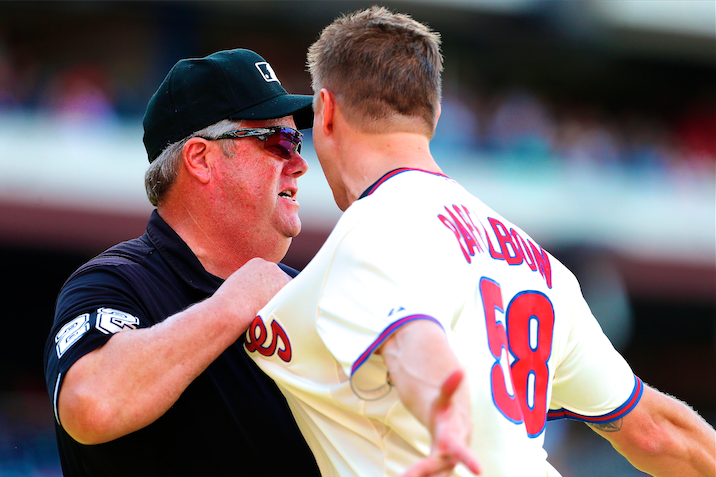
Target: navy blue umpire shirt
[[232, 420]]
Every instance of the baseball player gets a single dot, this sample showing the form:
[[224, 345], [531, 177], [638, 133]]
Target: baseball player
[[421, 287]]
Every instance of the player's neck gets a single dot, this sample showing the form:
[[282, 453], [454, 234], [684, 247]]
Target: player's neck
[[370, 156]]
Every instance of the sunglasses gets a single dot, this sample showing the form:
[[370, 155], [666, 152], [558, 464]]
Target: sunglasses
[[279, 140]]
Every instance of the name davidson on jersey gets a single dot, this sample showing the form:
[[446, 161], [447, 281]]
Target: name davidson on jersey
[[513, 248]]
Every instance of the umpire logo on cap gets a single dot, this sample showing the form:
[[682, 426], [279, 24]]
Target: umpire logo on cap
[[267, 72]]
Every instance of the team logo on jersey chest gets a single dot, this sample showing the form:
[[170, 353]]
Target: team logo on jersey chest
[[258, 339]]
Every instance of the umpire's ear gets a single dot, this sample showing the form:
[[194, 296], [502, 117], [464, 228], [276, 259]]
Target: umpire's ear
[[326, 110], [195, 156]]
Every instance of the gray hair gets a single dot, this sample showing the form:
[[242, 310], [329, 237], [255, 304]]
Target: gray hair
[[164, 169]]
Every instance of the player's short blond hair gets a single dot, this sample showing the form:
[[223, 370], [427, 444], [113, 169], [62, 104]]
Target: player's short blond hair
[[384, 68]]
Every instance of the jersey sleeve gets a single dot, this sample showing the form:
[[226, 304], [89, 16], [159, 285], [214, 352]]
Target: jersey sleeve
[[372, 289], [593, 383], [91, 307]]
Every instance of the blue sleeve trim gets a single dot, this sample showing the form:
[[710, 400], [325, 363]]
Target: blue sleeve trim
[[385, 335], [618, 413]]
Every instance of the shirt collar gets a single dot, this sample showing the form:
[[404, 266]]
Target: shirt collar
[[179, 256], [390, 174]]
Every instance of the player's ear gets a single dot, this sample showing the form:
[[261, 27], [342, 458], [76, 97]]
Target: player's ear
[[196, 159], [438, 110], [326, 110]]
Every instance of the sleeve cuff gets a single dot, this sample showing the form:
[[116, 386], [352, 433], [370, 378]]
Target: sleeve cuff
[[621, 411], [369, 375]]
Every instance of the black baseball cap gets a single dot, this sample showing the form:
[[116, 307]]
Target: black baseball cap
[[231, 84]]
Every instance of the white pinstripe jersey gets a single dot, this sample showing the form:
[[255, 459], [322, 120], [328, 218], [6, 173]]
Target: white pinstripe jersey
[[418, 246]]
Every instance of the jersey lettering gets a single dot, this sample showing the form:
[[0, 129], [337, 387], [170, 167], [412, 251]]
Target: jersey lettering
[[110, 321], [542, 259], [257, 335], [515, 250], [71, 333], [496, 255], [503, 393], [530, 327], [520, 390], [524, 250], [466, 233], [464, 214], [510, 253]]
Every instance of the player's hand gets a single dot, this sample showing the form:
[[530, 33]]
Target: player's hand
[[451, 434]]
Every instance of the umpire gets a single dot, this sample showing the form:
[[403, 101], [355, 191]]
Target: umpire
[[144, 362]]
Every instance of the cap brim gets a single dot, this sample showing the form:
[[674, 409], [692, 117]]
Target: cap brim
[[299, 106]]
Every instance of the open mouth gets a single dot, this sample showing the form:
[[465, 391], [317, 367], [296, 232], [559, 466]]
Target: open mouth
[[287, 194]]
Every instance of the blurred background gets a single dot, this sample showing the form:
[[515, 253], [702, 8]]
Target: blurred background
[[591, 124]]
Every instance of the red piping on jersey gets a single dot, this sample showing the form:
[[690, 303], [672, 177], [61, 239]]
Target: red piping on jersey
[[393, 173], [385, 335], [619, 412]]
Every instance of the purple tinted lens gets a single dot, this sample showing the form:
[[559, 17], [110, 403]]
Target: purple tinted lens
[[284, 143]]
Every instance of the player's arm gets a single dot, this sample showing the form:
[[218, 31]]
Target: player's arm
[[430, 382], [663, 437], [136, 376]]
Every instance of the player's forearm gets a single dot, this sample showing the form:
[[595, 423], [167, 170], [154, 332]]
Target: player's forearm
[[670, 459], [664, 437], [139, 374], [419, 360]]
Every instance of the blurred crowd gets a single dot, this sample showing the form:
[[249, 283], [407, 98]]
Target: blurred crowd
[[513, 125], [519, 125], [82, 90]]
